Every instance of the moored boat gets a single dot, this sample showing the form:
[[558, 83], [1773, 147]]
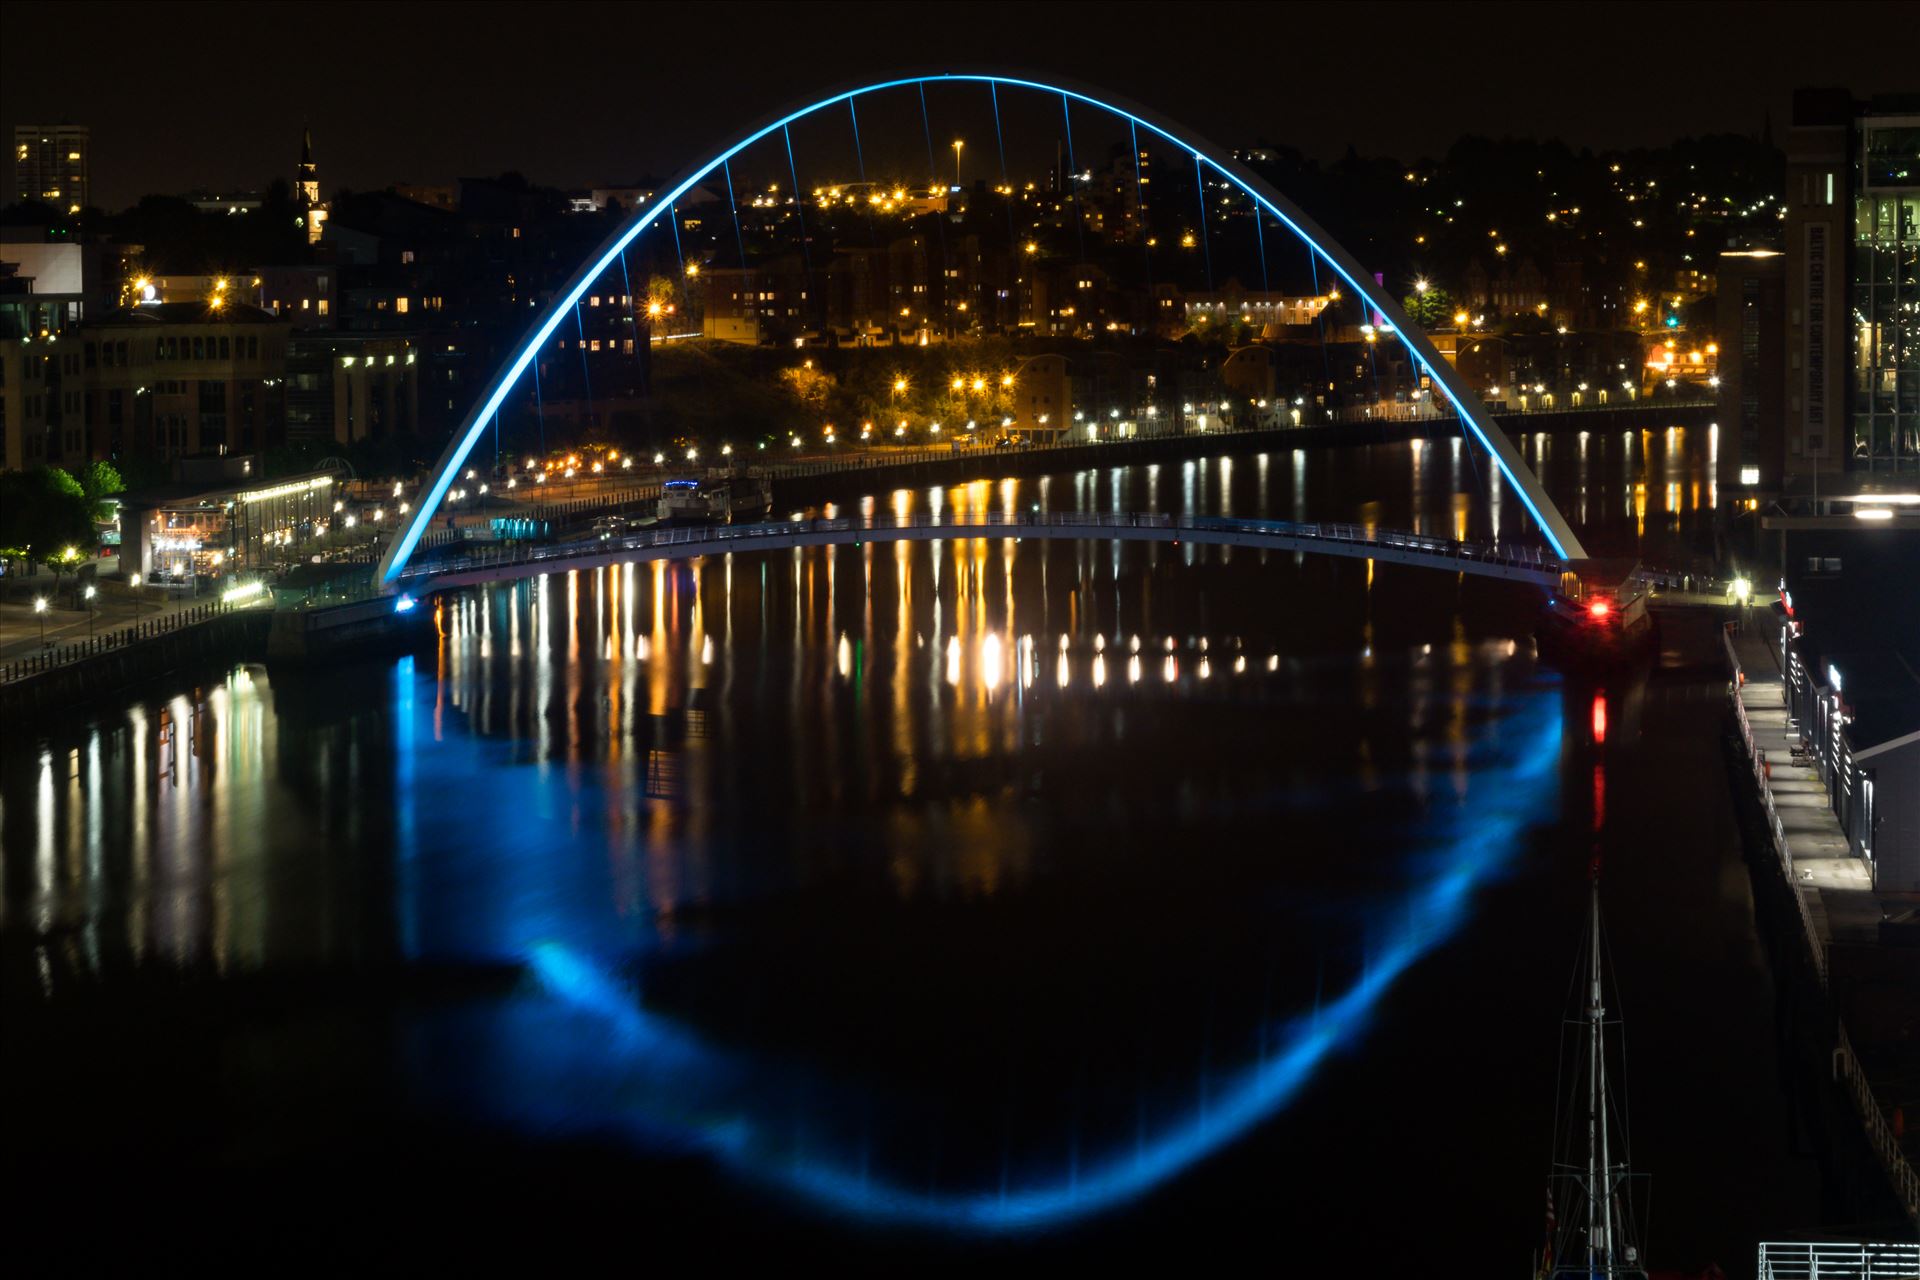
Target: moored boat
[[1593, 1228], [715, 498]]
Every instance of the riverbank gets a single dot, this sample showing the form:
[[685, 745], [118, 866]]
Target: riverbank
[[1820, 916], [105, 665], [797, 484]]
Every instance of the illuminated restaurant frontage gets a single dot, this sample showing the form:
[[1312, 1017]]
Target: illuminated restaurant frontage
[[175, 535]]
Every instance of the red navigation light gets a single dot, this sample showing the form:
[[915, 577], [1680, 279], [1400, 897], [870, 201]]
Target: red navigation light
[[1599, 609]]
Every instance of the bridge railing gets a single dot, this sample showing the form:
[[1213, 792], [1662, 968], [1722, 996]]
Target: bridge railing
[[1003, 523], [1837, 1260], [542, 505]]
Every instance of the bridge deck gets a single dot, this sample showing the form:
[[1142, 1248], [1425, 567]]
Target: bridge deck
[[1512, 564]]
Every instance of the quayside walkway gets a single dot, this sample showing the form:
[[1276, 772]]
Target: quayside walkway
[[1836, 886], [1832, 890]]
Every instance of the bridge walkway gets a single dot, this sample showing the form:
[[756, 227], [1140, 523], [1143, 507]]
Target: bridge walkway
[[1509, 563]]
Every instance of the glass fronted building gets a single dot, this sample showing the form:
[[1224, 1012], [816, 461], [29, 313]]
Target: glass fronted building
[[186, 531], [1852, 293], [1884, 399]]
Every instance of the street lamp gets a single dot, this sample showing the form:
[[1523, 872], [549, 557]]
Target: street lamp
[[89, 594], [957, 144], [133, 580], [40, 612]]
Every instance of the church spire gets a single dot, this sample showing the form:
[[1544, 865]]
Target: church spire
[[306, 188]]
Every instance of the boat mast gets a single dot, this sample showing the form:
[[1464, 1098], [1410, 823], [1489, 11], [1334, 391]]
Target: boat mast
[[1599, 1169]]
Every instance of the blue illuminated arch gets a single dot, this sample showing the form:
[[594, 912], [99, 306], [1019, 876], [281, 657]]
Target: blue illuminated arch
[[1475, 421]]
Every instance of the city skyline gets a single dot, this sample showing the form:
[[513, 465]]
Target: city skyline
[[433, 121]]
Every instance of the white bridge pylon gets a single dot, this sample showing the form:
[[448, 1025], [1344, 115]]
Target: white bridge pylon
[[1476, 422], [1509, 564]]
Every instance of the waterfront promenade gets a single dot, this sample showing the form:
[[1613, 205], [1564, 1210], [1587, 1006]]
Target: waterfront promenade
[[1836, 886], [26, 632], [1838, 908]]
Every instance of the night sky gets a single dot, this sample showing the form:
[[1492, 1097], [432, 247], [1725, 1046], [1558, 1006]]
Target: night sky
[[184, 96]]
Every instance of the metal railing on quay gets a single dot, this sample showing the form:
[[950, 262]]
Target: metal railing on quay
[[1439, 411], [66, 654], [1670, 580], [1873, 1121]]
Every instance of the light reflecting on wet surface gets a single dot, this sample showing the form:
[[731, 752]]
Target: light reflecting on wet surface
[[979, 885]]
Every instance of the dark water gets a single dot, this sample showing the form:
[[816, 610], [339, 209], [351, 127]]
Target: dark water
[[1019, 900]]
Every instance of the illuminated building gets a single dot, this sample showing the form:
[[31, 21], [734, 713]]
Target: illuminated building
[[26, 438], [757, 304], [230, 205], [619, 199], [346, 387], [1042, 395], [1482, 358], [177, 379], [50, 165], [1262, 310], [306, 295], [306, 190], [1852, 276], [218, 516], [1752, 331]]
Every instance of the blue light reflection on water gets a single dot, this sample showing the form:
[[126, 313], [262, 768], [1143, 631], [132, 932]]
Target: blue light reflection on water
[[581, 1052]]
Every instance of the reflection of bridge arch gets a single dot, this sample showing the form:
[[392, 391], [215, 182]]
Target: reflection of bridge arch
[[1476, 422], [1361, 542]]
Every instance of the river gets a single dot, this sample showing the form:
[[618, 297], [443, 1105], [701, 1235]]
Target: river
[[1023, 901]]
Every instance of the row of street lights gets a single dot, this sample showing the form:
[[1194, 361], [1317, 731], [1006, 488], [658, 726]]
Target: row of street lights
[[91, 591]]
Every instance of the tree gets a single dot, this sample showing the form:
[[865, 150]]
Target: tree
[[1429, 308], [46, 517], [809, 387], [663, 295], [685, 302], [99, 481]]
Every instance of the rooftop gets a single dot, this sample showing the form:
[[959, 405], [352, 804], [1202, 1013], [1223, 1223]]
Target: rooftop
[[197, 312]]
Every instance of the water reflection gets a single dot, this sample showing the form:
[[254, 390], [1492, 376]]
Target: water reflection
[[972, 882]]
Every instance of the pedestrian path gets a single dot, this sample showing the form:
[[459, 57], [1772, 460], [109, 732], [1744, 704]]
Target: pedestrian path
[[26, 632], [1836, 886]]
